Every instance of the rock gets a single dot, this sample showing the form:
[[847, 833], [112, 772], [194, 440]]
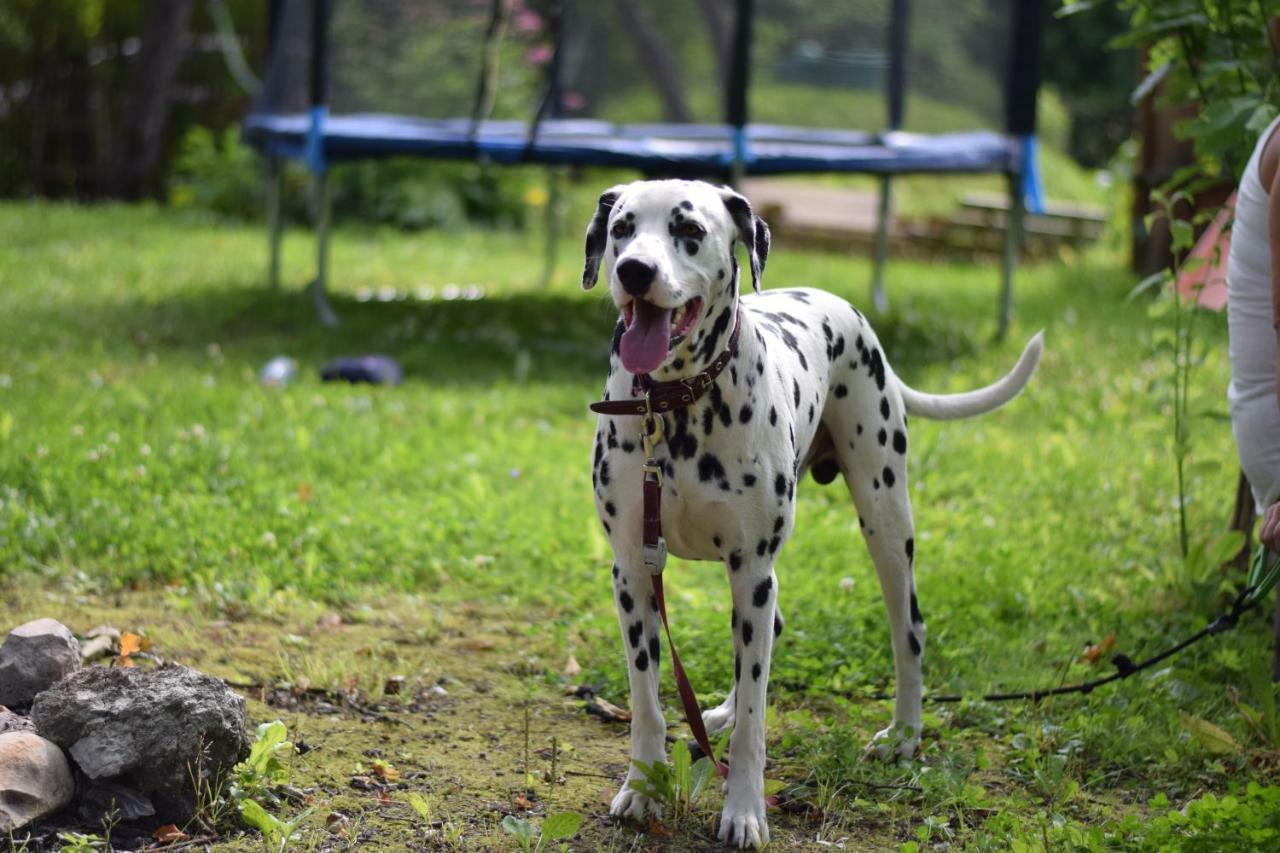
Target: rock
[[11, 722], [34, 779], [153, 731], [35, 656], [100, 642]]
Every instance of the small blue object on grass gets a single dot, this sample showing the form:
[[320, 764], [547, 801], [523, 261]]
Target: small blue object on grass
[[374, 369]]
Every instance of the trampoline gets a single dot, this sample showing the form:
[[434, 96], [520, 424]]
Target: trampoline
[[716, 89]]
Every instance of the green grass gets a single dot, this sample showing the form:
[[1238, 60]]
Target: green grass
[[138, 451]]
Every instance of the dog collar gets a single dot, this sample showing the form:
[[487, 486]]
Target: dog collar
[[660, 397]]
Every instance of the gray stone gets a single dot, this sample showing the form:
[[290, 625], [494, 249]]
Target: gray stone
[[34, 779], [11, 722], [161, 732], [34, 656]]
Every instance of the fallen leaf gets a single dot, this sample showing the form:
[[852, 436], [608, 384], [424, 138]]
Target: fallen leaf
[[1215, 739], [384, 799], [658, 828], [1093, 654], [385, 771], [522, 802], [170, 834], [130, 645], [572, 668], [304, 492]]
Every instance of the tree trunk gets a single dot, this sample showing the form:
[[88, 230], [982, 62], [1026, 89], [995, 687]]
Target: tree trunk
[[655, 58], [146, 114]]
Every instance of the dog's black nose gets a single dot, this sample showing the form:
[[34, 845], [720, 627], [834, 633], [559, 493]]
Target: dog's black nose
[[636, 276]]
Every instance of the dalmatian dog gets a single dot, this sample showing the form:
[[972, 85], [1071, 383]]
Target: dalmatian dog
[[808, 389]]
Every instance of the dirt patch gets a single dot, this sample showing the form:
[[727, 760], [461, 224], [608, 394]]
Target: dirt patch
[[385, 704]]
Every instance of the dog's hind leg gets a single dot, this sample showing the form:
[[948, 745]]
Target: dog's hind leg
[[720, 719], [871, 446], [638, 619]]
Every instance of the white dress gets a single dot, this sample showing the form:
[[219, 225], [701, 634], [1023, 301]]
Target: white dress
[[1255, 414]]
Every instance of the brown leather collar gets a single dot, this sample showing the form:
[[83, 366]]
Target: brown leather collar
[[662, 397]]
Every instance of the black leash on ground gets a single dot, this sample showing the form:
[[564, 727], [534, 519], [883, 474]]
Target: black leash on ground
[[1261, 580]]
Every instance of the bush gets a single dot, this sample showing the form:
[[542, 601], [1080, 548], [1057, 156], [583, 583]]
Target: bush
[[222, 175]]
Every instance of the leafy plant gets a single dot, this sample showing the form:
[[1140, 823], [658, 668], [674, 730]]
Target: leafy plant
[[277, 833], [264, 768], [677, 785], [557, 827]]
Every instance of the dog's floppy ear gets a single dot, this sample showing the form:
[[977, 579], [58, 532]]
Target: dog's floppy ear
[[597, 235], [752, 230]]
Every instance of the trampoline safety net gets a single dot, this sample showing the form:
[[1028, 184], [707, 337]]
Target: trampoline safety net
[[697, 87]]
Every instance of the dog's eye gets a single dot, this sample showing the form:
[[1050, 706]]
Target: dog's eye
[[620, 229], [690, 230]]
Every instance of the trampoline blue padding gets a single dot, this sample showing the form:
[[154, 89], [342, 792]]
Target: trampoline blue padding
[[669, 149]]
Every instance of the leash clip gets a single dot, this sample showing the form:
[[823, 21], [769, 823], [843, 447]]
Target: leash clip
[[651, 433], [655, 556]]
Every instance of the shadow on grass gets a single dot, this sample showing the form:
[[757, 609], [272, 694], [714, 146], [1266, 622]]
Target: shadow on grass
[[542, 337]]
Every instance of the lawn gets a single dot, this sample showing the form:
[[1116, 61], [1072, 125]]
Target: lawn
[[318, 539]]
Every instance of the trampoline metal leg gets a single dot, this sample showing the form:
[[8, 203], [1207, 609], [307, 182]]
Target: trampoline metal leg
[[1012, 240], [323, 210], [554, 180], [879, 297], [273, 219]]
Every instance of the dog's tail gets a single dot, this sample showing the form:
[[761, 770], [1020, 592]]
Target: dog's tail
[[946, 407]]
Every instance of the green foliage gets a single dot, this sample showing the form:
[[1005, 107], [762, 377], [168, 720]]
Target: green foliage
[[676, 786], [1218, 54], [278, 834], [556, 827], [264, 769]]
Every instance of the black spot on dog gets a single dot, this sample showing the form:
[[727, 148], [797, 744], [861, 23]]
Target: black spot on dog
[[875, 482], [811, 412], [795, 392], [882, 436], [761, 547], [709, 468], [774, 543], [744, 414], [691, 246], [735, 560], [858, 429], [915, 609], [876, 366], [737, 668], [615, 570], [780, 485], [777, 624], [607, 528], [627, 602], [655, 650], [778, 523], [604, 472], [760, 597], [642, 660], [610, 509], [715, 540], [755, 671], [686, 204], [627, 447], [748, 480], [887, 474], [884, 408], [720, 275], [841, 390], [913, 642], [748, 631], [617, 337], [653, 602], [635, 632], [899, 441], [911, 549], [773, 416]]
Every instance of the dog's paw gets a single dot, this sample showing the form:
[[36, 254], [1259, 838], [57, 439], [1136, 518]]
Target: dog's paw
[[894, 741], [743, 824], [720, 719], [630, 803]]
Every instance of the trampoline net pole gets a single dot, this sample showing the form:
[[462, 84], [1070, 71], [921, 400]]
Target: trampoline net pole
[[899, 16], [273, 218], [736, 102], [1012, 242]]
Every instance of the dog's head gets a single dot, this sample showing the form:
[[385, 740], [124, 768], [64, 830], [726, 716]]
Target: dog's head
[[668, 254]]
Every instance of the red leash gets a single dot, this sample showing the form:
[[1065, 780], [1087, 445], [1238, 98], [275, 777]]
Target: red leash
[[664, 397]]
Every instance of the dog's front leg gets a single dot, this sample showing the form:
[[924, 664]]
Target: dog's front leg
[[742, 821], [638, 618]]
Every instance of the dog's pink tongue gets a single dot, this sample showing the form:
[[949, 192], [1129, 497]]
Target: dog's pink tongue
[[644, 345]]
